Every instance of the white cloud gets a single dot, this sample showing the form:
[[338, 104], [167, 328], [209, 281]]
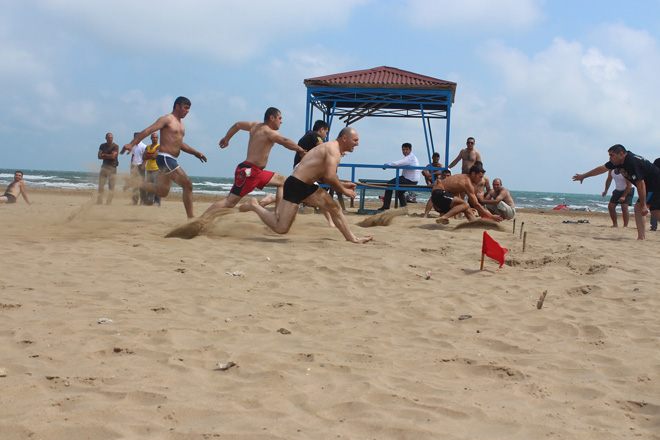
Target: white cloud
[[474, 15], [225, 31]]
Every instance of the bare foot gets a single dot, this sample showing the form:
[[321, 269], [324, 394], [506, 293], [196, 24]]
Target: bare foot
[[442, 221], [364, 239], [250, 205], [267, 200]]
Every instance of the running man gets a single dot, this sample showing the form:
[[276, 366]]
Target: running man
[[250, 173], [15, 189], [320, 162], [172, 132]]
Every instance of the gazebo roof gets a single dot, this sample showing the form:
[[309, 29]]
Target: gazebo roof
[[383, 77]]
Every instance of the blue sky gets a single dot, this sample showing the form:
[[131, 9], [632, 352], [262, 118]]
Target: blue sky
[[545, 87]]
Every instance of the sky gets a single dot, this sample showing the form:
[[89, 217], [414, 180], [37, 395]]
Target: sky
[[545, 87]]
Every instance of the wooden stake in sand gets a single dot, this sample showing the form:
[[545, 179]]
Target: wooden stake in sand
[[514, 226], [539, 303], [524, 240], [522, 226]]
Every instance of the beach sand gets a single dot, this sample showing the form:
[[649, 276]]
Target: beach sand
[[109, 330]]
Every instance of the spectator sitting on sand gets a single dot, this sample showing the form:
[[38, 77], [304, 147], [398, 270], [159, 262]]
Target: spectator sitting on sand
[[14, 189], [499, 201]]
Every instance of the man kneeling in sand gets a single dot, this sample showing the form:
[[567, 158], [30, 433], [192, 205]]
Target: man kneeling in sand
[[320, 162], [499, 201], [448, 204], [15, 189]]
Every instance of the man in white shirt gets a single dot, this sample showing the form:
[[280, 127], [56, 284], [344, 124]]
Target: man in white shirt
[[137, 171], [407, 177]]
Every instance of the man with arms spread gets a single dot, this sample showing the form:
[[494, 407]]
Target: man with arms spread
[[172, 132], [468, 156], [250, 174], [14, 189], [108, 152], [641, 173], [320, 162], [499, 201], [447, 203]]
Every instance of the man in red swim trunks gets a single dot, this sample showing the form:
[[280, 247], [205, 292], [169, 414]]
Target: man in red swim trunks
[[250, 174]]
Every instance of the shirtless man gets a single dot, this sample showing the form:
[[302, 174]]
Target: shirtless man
[[320, 162], [172, 132], [499, 201], [14, 189], [429, 175], [250, 173], [468, 156], [447, 203]]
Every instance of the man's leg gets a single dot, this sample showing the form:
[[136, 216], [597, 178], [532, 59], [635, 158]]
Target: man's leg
[[135, 174], [278, 181], [457, 206], [639, 222], [281, 224], [655, 216], [322, 200], [3, 199], [625, 214], [611, 207], [103, 177], [180, 178], [112, 179], [387, 198]]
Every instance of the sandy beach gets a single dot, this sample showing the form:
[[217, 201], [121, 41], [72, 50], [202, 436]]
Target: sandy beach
[[108, 330]]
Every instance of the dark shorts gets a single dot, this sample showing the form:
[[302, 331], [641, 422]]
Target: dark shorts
[[616, 195], [166, 162], [10, 198], [441, 200], [295, 190], [247, 177], [653, 200]]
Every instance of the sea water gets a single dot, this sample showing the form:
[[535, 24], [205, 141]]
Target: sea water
[[222, 185]]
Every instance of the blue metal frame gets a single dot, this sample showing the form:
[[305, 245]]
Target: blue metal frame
[[350, 104]]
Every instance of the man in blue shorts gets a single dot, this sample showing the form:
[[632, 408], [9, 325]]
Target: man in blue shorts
[[171, 144]]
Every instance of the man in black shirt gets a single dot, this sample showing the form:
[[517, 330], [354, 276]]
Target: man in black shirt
[[108, 153], [312, 138], [641, 173]]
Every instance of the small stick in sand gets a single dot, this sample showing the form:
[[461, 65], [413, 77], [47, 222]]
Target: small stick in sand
[[514, 226], [524, 240], [522, 226], [539, 303]]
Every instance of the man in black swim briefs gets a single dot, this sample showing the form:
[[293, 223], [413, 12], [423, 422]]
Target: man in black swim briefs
[[320, 162], [14, 189]]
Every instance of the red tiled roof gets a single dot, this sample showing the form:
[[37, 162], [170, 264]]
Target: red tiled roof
[[380, 77]]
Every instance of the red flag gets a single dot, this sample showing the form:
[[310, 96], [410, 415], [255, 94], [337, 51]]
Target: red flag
[[493, 250]]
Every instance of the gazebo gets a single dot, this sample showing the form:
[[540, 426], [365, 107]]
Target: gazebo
[[382, 92]]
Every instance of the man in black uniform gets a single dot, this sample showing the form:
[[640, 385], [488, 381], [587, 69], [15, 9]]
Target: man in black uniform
[[641, 173]]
